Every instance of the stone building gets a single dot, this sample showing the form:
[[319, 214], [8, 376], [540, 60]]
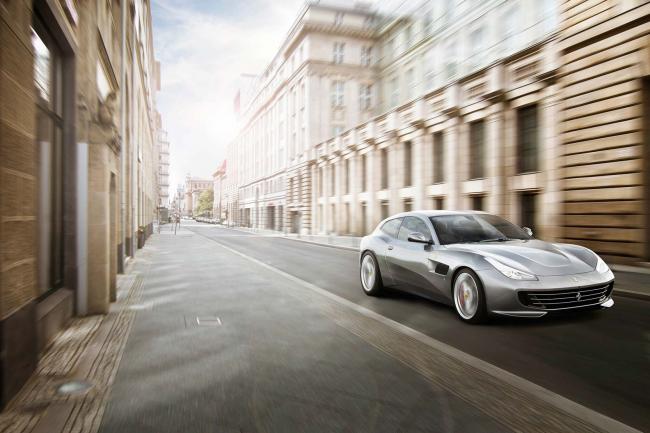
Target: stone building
[[194, 186], [299, 100], [73, 139], [535, 110], [605, 98]]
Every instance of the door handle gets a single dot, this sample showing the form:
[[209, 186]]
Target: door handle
[[390, 247]]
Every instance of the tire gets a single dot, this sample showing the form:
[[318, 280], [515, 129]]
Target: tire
[[370, 275], [469, 297]]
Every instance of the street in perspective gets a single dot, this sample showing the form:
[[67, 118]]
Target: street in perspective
[[324, 216]]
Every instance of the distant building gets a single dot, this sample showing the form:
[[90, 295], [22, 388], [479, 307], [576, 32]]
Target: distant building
[[163, 172], [193, 189]]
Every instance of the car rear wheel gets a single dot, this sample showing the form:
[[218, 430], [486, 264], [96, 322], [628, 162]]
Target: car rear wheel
[[370, 275], [469, 297]]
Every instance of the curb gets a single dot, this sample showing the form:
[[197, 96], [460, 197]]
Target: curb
[[340, 247]]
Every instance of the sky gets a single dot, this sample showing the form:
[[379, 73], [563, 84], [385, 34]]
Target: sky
[[203, 47]]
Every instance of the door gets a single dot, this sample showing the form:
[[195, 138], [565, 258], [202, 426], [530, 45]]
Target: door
[[409, 262]]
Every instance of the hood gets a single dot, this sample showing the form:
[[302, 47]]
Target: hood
[[534, 256]]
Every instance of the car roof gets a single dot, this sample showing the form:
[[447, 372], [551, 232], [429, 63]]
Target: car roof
[[431, 213]]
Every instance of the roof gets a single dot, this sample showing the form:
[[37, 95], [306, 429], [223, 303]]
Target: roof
[[430, 213]]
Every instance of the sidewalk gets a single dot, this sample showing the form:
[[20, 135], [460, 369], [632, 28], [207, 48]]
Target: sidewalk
[[82, 360], [631, 281]]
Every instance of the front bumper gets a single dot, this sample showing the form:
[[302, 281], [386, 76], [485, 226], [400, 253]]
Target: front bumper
[[503, 294]]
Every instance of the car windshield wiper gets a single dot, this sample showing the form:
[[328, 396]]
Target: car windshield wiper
[[504, 239]]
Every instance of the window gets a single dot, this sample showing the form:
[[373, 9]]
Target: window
[[364, 218], [338, 18], [410, 83], [408, 205], [366, 56], [333, 173], [413, 225], [429, 68], [451, 65], [338, 93], [477, 149], [453, 229], [439, 203], [528, 206], [527, 148], [390, 50], [408, 37], [477, 202], [408, 164], [511, 29], [394, 95], [438, 157], [339, 50], [384, 168], [476, 47], [385, 209], [48, 77], [391, 227], [364, 174], [427, 22], [365, 96]]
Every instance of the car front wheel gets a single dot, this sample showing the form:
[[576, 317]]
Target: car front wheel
[[469, 297], [370, 275]]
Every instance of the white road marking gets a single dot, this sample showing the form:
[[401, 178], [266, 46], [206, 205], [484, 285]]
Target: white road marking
[[569, 406]]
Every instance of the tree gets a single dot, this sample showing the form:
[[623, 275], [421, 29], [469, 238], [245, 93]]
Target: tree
[[206, 199]]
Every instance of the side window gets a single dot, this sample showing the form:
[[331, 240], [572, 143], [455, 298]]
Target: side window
[[391, 227], [413, 224]]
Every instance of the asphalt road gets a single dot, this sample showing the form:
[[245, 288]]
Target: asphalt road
[[599, 359]]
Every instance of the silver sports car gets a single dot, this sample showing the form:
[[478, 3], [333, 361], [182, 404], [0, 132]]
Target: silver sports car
[[482, 265]]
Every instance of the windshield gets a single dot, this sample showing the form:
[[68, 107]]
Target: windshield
[[454, 229]]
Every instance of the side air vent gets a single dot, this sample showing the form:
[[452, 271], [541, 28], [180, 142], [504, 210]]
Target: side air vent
[[441, 269]]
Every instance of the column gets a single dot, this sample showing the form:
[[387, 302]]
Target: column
[[325, 217], [313, 170], [452, 143], [549, 204], [419, 173], [495, 159], [395, 176], [374, 173], [339, 218], [355, 205]]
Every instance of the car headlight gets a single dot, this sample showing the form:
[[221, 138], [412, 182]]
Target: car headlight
[[509, 272], [601, 266]]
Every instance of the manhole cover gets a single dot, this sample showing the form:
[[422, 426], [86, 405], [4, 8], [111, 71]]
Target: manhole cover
[[74, 387]]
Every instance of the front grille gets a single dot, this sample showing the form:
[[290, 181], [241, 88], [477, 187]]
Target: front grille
[[566, 298]]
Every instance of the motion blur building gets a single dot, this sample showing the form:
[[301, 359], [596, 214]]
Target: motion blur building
[[528, 109], [76, 160], [605, 99]]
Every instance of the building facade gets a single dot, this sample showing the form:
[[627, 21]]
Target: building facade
[[74, 161], [297, 102], [219, 205], [533, 110], [605, 165]]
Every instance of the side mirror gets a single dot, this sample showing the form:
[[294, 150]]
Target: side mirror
[[418, 237], [528, 231]]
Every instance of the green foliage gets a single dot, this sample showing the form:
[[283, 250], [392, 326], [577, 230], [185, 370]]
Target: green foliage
[[206, 199]]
